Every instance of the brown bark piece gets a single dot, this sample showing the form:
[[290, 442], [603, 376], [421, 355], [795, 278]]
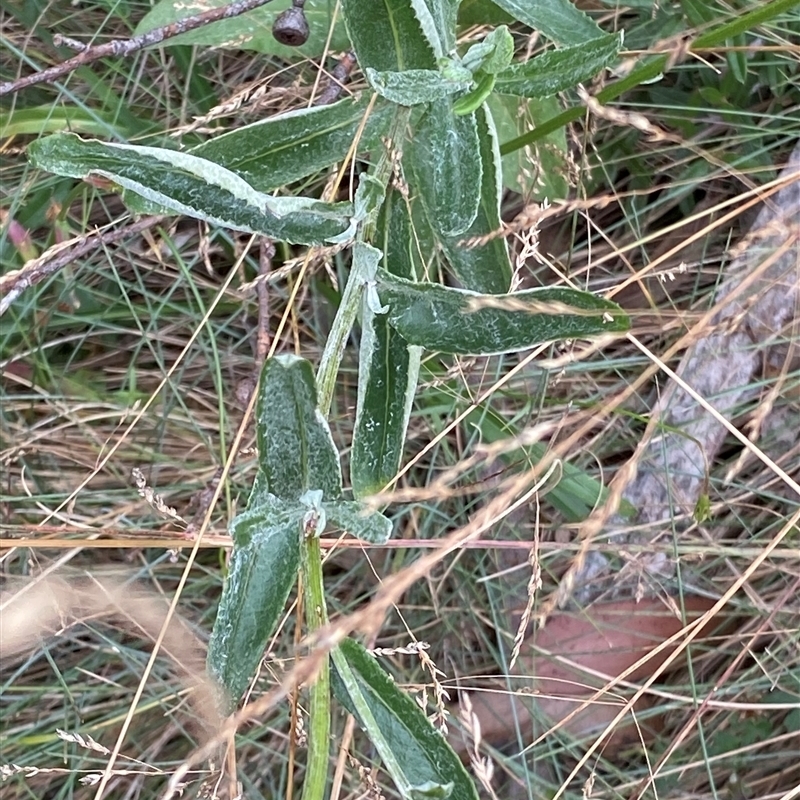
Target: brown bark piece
[[755, 303]]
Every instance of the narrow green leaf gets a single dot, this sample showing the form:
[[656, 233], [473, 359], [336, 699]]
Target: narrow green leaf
[[295, 448], [250, 31], [387, 379], [189, 185], [368, 200], [280, 150], [386, 35], [558, 20], [437, 18], [574, 493], [414, 86], [40, 120], [539, 173], [485, 267], [445, 160], [263, 570], [358, 521], [492, 54], [419, 759], [467, 323], [388, 366], [397, 237], [559, 70]]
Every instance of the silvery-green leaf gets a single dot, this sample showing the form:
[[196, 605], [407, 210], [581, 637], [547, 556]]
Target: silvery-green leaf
[[445, 161], [414, 86], [467, 323], [420, 761], [558, 20], [274, 152], [387, 36], [492, 54], [263, 570], [295, 448], [187, 184], [369, 197], [358, 521], [388, 366], [437, 19], [484, 267], [559, 70], [454, 70]]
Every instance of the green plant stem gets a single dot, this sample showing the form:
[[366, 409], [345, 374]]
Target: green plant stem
[[351, 296], [311, 560], [651, 70], [320, 690]]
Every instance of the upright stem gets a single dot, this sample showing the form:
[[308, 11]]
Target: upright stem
[[311, 561], [351, 296], [319, 711]]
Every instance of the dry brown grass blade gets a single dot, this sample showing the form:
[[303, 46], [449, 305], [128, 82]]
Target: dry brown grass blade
[[50, 605], [668, 473]]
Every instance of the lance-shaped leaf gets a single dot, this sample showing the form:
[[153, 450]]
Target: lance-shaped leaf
[[358, 521], [446, 166], [415, 86], [287, 147], [187, 184], [558, 20], [295, 448], [467, 323], [263, 570], [438, 21], [386, 35], [388, 367], [418, 758], [492, 54], [559, 70], [483, 267]]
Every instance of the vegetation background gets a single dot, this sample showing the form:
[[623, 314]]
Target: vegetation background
[[169, 310]]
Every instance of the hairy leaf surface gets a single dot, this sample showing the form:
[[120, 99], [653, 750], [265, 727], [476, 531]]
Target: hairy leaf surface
[[419, 759], [186, 184], [467, 323]]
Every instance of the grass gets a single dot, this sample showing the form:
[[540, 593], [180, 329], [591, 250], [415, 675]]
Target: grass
[[133, 358]]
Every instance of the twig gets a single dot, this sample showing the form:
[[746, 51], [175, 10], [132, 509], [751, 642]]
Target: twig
[[124, 47], [336, 80], [13, 284]]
